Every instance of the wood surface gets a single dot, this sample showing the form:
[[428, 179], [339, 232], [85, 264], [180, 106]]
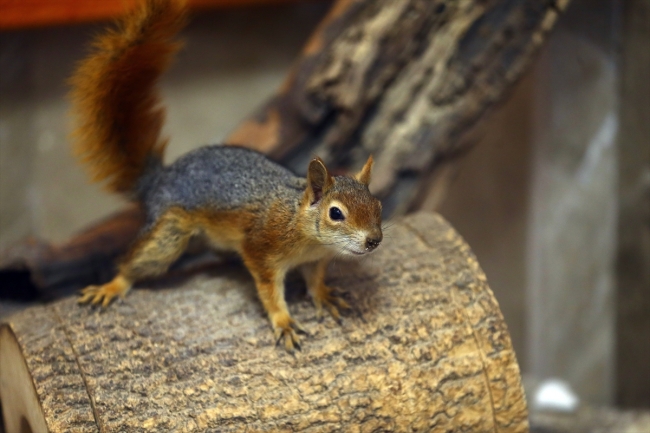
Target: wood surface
[[19, 14], [425, 348], [633, 255]]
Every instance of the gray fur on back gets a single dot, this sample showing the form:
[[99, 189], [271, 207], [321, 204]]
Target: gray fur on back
[[219, 178]]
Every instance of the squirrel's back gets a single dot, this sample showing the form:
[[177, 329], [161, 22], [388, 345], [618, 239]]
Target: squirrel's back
[[220, 178]]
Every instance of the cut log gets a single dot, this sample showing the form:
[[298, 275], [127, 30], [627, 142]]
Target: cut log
[[424, 348]]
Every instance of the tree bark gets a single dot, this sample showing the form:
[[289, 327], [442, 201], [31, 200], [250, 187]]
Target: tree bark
[[404, 80], [425, 348]]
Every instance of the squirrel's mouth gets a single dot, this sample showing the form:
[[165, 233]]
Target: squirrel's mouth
[[356, 253]]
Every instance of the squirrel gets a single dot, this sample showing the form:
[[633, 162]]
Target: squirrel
[[235, 198]]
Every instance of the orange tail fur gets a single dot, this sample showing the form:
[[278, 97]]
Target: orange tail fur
[[115, 101]]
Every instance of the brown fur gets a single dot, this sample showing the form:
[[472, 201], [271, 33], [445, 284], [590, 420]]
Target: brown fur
[[156, 250], [364, 175], [271, 241], [114, 98]]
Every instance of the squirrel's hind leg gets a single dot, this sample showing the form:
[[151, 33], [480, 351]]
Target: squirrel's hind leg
[[151, 256]]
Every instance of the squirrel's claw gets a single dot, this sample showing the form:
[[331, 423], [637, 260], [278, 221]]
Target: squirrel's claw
[[291, 339], [299, 328], [329, 299], [288, 330], [95, 295], [86, 295], [103, 295], [342, 302]]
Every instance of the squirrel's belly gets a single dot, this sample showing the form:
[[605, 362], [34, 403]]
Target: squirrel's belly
[[225, 229]]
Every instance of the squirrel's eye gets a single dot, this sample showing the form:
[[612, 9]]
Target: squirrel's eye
[[336, 214]]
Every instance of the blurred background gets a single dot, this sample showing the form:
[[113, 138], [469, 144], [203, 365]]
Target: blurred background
[[545, 198]]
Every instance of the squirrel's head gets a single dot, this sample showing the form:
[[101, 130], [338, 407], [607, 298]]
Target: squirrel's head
[[345, 216]]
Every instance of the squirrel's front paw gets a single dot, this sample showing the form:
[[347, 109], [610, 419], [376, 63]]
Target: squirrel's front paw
[[329, 298], [285, 327], [104, 294]]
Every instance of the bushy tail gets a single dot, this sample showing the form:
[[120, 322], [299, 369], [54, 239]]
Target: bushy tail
[[114, 96]]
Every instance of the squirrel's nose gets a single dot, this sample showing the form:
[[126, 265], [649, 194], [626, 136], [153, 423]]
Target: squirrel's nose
[[372, 243]]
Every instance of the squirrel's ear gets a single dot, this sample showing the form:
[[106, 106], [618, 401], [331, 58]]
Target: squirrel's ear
[[318, 179], [364, 175]]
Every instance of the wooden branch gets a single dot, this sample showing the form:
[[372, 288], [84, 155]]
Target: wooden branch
[[425, 349], [87, 258], [401, 79], [16, 14]]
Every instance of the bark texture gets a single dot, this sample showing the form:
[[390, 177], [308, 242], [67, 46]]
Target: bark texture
[[403, 80], [424, 349]]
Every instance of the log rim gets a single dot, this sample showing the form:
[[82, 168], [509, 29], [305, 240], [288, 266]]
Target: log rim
[[11, 350]]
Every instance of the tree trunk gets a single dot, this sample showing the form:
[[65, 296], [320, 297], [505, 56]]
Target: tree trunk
[[425, 348]]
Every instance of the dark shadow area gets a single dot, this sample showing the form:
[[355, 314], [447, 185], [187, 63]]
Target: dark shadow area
[[16, 285], [24, 426]]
